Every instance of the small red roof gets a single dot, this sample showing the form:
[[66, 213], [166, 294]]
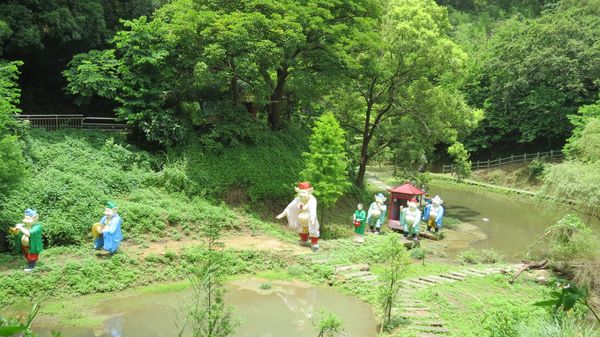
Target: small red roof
[[407, 189]]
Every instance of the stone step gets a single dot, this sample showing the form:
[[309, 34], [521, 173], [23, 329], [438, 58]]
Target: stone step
[[368, 278], [455, 273], [412, 305], [426, 334], [355, 274], [477, 271], [440, 279], [417, 314], [408, 284], [424, 328], [352, 267], [452, 277], [428, 280], [428, 323], [470, 273], [405, 308]]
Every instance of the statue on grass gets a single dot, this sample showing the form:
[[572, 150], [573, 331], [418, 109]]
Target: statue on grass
[[107, 233], [376, 213], [410, 219], [433, 214], [301, 214], [29, 238], [359, 218]]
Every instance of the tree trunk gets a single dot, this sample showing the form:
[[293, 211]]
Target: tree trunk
[[277, 99], [252, 109], [362, 166], [364, 149]]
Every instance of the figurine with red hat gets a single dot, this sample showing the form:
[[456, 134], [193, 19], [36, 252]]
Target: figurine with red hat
[[410, 219], [301, 214]]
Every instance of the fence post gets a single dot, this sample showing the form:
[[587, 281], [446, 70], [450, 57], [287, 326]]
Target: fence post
[[524, 156], [488, 163], [551, 154], [512, 158], [538, 155]]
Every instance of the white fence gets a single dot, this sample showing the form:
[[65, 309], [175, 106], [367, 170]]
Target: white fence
[[55, 122], [483, 164]]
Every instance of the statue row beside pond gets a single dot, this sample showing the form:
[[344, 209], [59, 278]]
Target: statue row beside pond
[[28, 234], [301, 214]]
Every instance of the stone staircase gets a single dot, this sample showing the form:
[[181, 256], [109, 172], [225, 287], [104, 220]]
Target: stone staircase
[[421, 320]]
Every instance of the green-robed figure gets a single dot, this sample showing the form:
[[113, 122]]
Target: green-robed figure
[[359, 218], [28, 239]]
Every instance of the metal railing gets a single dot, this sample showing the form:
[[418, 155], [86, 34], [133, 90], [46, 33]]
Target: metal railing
[[521, 158], [55, 122]]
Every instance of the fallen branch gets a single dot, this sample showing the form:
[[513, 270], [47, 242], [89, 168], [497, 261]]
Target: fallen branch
[[527, 266]]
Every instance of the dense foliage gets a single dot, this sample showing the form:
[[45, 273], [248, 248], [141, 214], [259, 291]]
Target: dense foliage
[[536, 72], [12, 161], [325, 162]]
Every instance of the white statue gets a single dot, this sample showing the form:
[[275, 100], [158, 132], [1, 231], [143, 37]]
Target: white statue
[[301, 214]]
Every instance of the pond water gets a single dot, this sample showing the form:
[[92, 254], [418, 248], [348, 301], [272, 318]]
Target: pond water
[[511, 222], [287, 309]]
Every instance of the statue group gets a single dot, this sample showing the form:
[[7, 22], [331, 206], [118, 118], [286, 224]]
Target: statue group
[[28, 234], [301, 215]]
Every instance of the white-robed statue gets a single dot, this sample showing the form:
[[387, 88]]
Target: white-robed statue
[[410, 219], [376, 213], [433, 214], [301, 214]]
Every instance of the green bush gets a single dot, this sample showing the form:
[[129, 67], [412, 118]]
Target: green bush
[[502, 321], [552, 327], [266, 170], [535, 170], [73, 175]]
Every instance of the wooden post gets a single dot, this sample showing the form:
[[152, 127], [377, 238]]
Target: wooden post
[[488, 163], [538, 155], [551, 154], [512, 158], [525, 157]]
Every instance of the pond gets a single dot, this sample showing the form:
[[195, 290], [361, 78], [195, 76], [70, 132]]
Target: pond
[[289, 308], [511, 222]]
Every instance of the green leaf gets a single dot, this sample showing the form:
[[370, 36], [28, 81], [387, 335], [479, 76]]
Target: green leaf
[[11, 330], [547, 303]]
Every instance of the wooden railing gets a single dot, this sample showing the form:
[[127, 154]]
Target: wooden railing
[[55, 122], [483, 164]]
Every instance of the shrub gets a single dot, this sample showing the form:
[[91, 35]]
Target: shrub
[[535, 170], [503, 319], [266, 170], [73, 175], [552, 327], [476, 256]]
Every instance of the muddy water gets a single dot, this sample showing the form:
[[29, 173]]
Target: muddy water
[[510, 222], [287, 309]]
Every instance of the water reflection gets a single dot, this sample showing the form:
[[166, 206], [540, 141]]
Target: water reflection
[[288, 309]]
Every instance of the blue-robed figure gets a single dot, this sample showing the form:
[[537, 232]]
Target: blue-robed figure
[[433, 214], [107, 233]]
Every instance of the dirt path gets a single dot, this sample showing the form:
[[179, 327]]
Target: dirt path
[[242, 242]]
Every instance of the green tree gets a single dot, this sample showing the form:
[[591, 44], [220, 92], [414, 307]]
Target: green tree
[[325, 162], [461, 162], [208, 315], [266, 54], [396, 257], [577, 179], [46, 34], [329, 325], [535, 73], [400, 89], [137, 75], [12, 161]]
